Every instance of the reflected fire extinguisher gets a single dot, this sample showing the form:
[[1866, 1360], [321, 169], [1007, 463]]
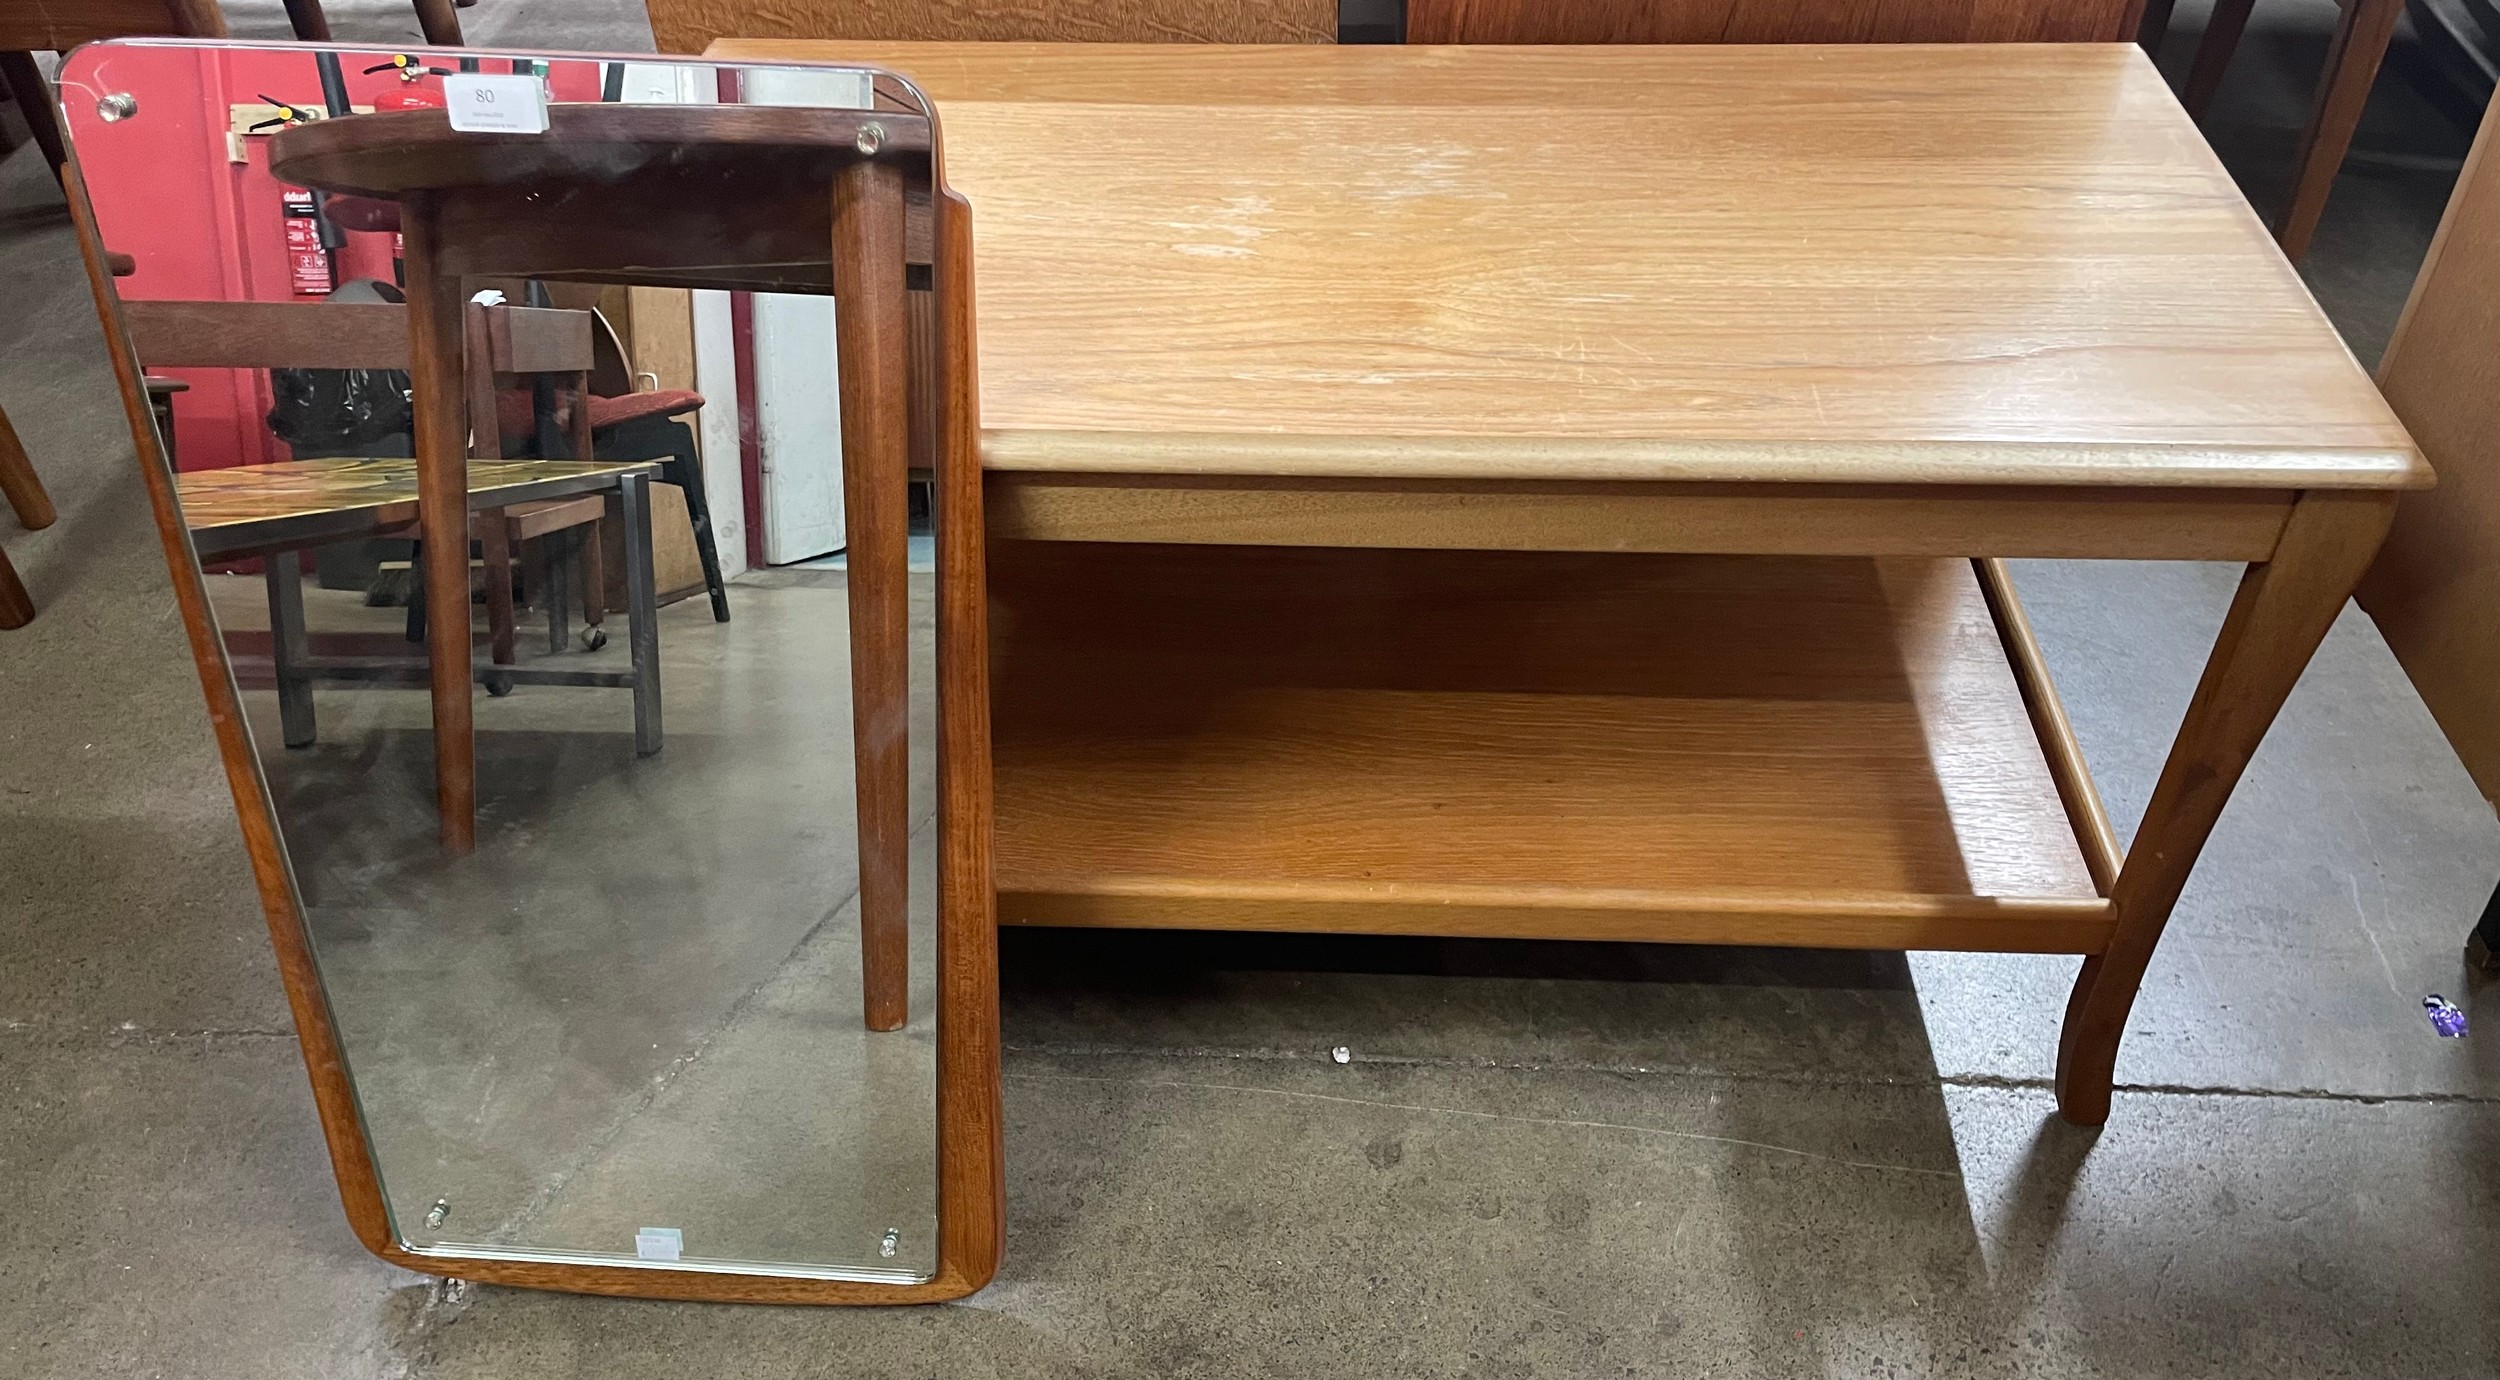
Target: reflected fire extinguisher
[[413, 93], [308, 259]]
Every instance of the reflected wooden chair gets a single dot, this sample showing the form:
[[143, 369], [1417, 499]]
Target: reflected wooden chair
[[507, 349], [734, 197], [34, 512], [605, 393], [338, 335], [2363, 30]]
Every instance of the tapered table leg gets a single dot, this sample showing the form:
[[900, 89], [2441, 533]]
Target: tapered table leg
[[871, 352], [437, 385], [2282, 611]]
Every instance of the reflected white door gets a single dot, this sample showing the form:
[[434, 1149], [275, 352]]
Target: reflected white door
[[798, 414], [797, 398]]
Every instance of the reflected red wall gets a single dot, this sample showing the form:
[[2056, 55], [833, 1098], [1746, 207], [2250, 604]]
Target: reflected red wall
[[170, 192]]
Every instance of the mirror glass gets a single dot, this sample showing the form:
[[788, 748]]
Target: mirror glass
[[626, 1024]]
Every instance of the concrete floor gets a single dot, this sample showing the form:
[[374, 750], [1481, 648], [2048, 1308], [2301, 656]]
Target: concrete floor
[[648, 970], [1543, 1160]]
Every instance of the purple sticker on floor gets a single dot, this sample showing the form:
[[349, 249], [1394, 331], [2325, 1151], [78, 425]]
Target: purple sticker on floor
[[2446, 1017]]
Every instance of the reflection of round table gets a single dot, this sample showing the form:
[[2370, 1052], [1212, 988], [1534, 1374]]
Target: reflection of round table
[[754, 198]]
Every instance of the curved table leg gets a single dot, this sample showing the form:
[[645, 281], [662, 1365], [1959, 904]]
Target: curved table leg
[[2282, 611]]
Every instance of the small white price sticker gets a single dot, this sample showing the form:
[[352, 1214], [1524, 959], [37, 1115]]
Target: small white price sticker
[[494, 104]]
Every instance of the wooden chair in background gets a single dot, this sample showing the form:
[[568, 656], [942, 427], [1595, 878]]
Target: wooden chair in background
[[34, 512], [690, 26], [1770, 21], [511, 342], [2362, 33], [508, 348]]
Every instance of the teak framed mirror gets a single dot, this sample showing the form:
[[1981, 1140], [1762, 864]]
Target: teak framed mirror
[[666, 966]]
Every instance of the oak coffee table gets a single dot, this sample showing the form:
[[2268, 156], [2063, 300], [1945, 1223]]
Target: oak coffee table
[[1562, 492]]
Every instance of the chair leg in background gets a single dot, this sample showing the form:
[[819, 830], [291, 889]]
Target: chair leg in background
[[2482, 946], [17, 607], [2213, 54], [2361, 39], [34, 101]]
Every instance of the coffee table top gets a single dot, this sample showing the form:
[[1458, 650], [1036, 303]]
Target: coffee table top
[[1987, 263]]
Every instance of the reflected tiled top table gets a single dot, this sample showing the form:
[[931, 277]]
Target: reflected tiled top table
[[266, 510], [1564, 492], [299, 503]]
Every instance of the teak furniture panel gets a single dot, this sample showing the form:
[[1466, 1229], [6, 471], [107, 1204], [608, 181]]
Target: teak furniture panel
[[1718, 749], [337, 335], [1873, 263], [1771, 21], [2435, 591], [687, 26], [1800, 519]]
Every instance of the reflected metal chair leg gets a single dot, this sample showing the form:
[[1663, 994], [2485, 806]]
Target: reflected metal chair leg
[[554, 586], [494, 540], [288, 648], [642, 612], [686, 473]]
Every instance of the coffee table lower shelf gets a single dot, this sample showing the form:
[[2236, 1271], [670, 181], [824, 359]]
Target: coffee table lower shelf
[[1829, 752]]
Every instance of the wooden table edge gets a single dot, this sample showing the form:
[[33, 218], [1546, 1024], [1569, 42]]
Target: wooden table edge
[[1184, 455]]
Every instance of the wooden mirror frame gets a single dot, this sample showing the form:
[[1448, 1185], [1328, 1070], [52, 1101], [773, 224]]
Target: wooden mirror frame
[[971, 1195]]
